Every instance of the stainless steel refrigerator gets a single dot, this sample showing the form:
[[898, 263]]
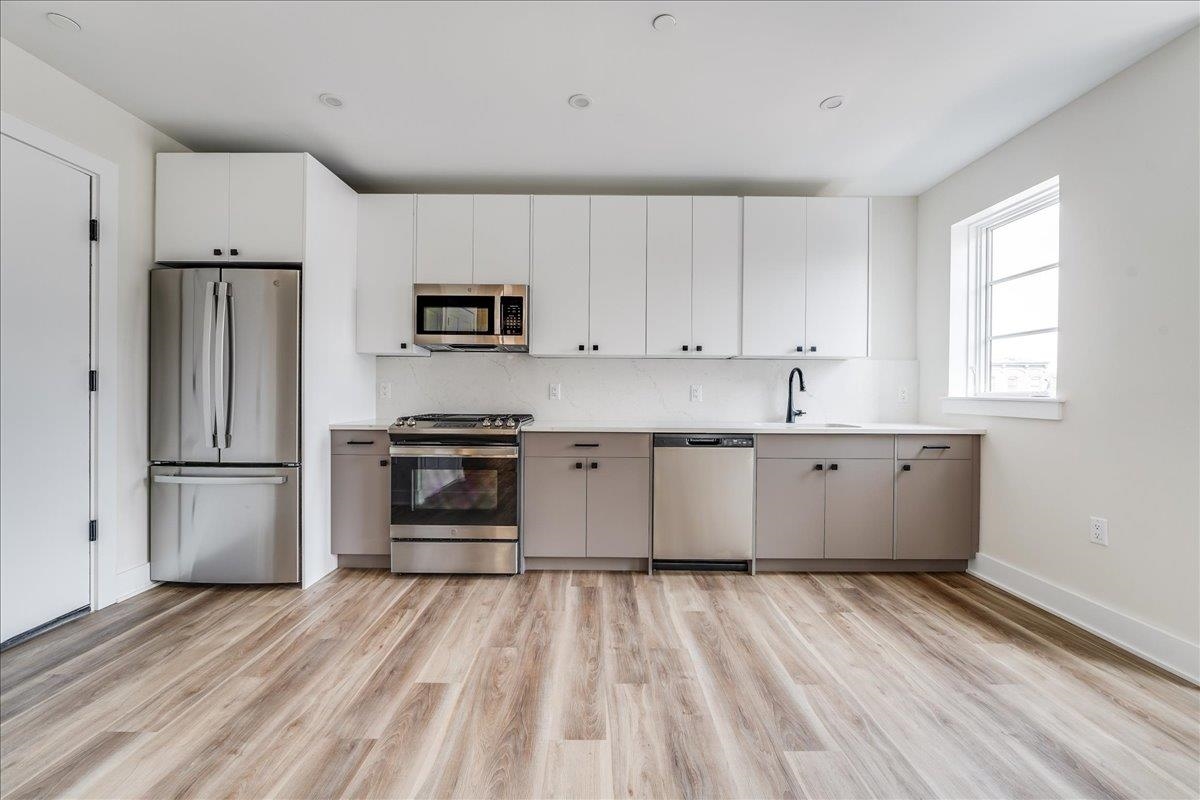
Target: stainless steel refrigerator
[[225, 425]]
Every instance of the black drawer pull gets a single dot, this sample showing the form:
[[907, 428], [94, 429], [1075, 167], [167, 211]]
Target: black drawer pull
[[595, 347], [935, 447], [818, 467], [354, 441], [906, 468], [586, 444], [685, 348], [595, 465], [233, 251], [699, 348], [216, 252], [578, 465], [383, 462], [581, 347], [833, 467]]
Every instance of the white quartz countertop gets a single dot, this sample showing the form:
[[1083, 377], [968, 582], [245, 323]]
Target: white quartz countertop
[[676, 426]]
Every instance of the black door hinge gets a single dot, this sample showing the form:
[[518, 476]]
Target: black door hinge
[[93, 380], [93, 530], [94, 230]]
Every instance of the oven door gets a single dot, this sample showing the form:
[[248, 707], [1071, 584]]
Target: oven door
[[454, 492]]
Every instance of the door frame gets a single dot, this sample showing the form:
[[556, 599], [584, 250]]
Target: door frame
[[104, 173]]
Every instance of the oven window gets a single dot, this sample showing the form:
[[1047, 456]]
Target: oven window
[[471, 316], [448, 490]]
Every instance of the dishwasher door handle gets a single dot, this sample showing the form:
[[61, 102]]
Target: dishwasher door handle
[[700, 442]]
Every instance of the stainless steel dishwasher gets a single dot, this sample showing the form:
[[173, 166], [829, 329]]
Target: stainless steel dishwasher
[[703, 501]]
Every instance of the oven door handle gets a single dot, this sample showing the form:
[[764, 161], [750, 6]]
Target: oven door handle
[[459, 452]]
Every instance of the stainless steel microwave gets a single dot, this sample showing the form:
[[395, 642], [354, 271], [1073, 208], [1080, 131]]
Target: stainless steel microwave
[[459, 316]]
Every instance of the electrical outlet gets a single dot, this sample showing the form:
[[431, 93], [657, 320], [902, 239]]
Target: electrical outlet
[[385, 390], [902, 394], [697, 394], [1098, 531], [556, 391]]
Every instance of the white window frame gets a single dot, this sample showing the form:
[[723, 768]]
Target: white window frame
[[970, 312]]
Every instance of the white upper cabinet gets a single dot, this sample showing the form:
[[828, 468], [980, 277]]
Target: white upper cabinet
[[223, 207], [191, 207], [444, 238], [837, 293], [716, 275], [384, 286], [773, 265], [266, 208], [558, 318], [618, 276], [501, 243], [669, 276]]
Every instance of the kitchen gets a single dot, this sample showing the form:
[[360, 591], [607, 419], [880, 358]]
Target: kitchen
[[505, 431]]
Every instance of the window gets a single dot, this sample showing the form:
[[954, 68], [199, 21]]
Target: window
[[1012, 281]]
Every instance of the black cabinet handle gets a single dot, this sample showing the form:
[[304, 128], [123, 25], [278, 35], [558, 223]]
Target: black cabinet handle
[[233, 251], [216, 251], [906, 468], [699, 348], [578, 465], [404, 345], [595, 347], [581, 347], [595, 465], [833, 467], [935, 447], [586, 444], [383, 462], [799, 348], [355, 441], [685, 348], [818, 467], [812, 349]]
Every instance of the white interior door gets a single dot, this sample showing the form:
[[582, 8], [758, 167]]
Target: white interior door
[[45, 425]]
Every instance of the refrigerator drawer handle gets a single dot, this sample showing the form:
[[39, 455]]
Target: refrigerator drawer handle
[[269, 480]]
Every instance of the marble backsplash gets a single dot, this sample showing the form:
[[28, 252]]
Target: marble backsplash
[[862, 390]]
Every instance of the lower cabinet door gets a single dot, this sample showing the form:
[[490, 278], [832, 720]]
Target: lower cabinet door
[[360, 504], [618, 508], [554, 516], [858, 508], [790, 508], [933, 509]]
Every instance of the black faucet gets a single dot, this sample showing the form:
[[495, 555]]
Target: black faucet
[[792, 411]]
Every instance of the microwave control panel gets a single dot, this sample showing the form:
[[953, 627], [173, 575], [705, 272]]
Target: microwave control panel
[[512, 316]]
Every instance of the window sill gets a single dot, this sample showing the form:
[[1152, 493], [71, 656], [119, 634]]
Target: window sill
[[1028, 407]]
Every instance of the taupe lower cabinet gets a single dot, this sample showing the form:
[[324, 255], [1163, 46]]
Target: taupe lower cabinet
[[585, 505], [360, 493], [934, 503], [858, 508]]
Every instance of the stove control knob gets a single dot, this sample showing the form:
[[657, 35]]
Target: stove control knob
[[487, 423], [410, 422], [510, 423]]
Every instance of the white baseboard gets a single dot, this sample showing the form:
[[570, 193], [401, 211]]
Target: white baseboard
[[134, 580], [1164, 649]]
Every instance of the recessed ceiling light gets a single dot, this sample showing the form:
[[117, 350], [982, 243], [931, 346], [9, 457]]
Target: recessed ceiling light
[[830, 103], [664, 22], [331, 100], [579, 101], [63, 21]]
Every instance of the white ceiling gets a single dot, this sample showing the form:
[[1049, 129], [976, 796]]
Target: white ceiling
[[472, 95]]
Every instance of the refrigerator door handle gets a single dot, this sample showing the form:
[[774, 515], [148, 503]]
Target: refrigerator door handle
[[202, 480], [206, 370], [232, 391], [219, 345]]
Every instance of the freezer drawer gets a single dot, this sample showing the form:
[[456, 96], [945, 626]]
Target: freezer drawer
[[477, 558], [225, 524]]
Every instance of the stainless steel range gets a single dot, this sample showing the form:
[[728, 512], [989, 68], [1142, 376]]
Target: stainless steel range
[[455, 493]]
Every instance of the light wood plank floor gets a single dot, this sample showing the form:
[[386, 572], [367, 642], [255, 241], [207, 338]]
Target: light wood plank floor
[[560, 684]]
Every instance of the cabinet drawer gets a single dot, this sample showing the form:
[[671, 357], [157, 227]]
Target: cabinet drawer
[[933, 447], [818, 445], [583, 445], [358, 443]]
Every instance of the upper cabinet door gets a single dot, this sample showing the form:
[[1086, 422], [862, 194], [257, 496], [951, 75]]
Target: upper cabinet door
[[716, 275], [837, 277], [773, 256], [669, 276], [501, 238], [618, 276], [558, 318], [266, 208], [384, 287], [444, 238], [191, 207]]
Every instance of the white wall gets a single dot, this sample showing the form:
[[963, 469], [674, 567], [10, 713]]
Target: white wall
[[1127, 448], [337, 382], [44, 97]]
